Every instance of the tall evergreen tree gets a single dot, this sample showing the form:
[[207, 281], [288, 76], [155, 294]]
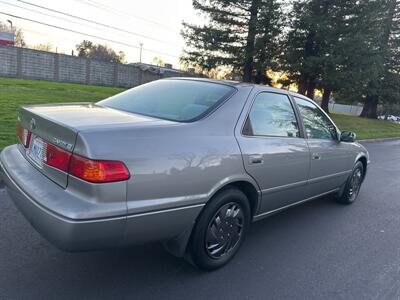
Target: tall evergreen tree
[[317, 45], [383, 84], [334, 45], [237, 34], [348, 51], [267, 43], [374, 60], [302, 47], [336, 50]]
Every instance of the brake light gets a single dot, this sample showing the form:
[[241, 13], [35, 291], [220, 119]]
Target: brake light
[[57, 157], [98, 171], [24, 135]]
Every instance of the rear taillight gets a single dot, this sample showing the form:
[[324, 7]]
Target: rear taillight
[[24, 135], [98, 171], [57, 157]]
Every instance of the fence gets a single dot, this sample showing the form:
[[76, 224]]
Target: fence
[[33, 64], [354, 110]]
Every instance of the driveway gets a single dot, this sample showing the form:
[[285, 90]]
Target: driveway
[[319, 250]]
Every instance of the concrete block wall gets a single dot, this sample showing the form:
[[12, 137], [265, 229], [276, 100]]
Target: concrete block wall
[[8, 61], [33, 64], [128, 76], [101, 73], [37, 64], [71, 69]]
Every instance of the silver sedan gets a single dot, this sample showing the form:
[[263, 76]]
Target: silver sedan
[[190, 162]]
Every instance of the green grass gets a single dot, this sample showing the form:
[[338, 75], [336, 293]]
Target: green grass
[[367, 128], [14, 92]]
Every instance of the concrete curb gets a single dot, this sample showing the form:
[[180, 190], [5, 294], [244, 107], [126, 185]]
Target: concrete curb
[[1, 179], [379, 140]]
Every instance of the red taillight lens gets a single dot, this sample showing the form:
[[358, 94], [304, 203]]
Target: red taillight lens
[[57, 157], [24, 135], [98, 171]]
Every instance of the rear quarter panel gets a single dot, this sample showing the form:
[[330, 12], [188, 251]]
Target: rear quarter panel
[[173, 165]]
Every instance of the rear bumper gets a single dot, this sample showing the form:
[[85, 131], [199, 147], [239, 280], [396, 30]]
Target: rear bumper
[[65, 233], [38, 198]]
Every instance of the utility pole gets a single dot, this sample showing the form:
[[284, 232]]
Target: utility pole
[[11, 24], [141, 48]]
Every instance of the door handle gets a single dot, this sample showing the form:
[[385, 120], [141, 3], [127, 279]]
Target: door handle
[[255, 159], [316, 156]]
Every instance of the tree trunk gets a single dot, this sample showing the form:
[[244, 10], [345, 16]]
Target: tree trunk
[[250, 47], [302, 86], [311, 89], [309, 50], [261, 78], [325, 99], [370, 108]]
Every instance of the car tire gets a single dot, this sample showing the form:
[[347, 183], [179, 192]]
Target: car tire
[[220, 230], [352, 186]]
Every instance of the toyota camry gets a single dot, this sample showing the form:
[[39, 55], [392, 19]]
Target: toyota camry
[[187, 162]]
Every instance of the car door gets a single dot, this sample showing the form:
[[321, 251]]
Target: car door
[[331, 161], [274, 151]]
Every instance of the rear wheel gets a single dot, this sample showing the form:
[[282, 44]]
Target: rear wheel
[[353, 185], [220, 229]]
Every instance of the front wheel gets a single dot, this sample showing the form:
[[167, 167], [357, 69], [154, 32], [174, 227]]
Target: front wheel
[[220, 229], [353, 185]]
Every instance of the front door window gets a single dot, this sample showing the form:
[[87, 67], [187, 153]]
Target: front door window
[[317, 125]]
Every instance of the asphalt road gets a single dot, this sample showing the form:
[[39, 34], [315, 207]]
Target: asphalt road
[[319, 250]]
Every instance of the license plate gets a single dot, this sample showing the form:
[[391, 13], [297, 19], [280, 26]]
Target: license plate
[[36, 151]]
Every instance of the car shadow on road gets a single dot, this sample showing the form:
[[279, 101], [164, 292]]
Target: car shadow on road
[[300, 218], [269, 234], [148, 268]]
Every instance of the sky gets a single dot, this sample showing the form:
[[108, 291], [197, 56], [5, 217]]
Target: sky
[[155, 23]]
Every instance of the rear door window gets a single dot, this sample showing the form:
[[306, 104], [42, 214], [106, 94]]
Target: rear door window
[[272, 115]]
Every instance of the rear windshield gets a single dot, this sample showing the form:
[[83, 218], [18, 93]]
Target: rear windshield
[[177, 100]]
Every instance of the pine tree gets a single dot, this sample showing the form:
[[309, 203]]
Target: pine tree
[[332, 45], [383, 85], [237, 34], [267, 43], [302, 47], [346, 56], [317, 45], [337, 48]]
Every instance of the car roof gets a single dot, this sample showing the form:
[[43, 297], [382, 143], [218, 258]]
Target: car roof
[[220, 81], [239, 84]]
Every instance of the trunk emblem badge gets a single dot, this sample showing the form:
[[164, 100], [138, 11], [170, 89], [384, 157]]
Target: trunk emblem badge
[[32, 124], [62, 144]]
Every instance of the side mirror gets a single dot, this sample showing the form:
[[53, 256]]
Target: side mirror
[[348, 137]]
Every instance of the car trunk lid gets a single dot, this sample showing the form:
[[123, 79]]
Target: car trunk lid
[[58, 125]]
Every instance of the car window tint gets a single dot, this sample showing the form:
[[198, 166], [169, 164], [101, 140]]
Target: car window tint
[[317, 125], [177, 100], [272, 115]]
